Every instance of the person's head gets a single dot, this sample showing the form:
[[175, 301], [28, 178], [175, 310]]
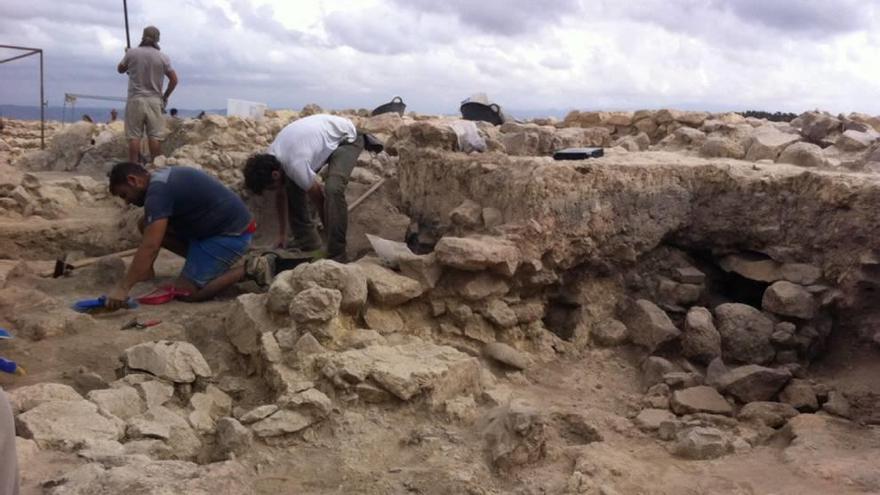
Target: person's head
[[150, 37], [129, 181], [262, 172], [173, 112]]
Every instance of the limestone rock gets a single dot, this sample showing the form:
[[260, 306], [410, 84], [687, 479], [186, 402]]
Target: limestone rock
[[682, 379], [772, 414], [479, 253], [651, 419], [85, 381], [122, 402], [700, 399], [311, 400], [372, 394], [800, 395], [282, 422], [768, 142], [258, 413], [154, 392], [653, 370], [690, 275], [179, 362], [481, 286], [701, 443], [407, 370], [143, 476], [499, 313], [609, 333], [315, 305], [649, 326], [745, 333], [801, 273], [515, 435], [384, 321], [26, 398], [270, 349], [207, 407], [307, 345], [181, 440], [752, 268], [803, 154], [722, 147], [422, 268], [837, 404], [232, 438], [66, 424], [700, 340], [468, 214], [247, 320], [280, 293], [753, 383], [505, 354], [348, 279], [788, 299], [387, 287], [853, 140]]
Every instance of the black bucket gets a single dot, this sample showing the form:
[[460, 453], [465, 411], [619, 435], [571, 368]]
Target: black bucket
[[473, 110], [396, 105]]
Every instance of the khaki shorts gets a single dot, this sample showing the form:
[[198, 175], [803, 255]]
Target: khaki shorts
[[144, 112]]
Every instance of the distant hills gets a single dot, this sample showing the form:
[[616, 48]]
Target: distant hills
[[98, 114]]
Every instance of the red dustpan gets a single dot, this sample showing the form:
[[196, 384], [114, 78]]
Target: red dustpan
[[163, 295]]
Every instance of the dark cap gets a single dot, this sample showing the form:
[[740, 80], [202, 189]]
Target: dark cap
[[151, 33]]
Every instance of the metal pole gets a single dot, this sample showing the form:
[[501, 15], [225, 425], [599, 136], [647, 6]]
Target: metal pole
[[127, 37], [42, 107]]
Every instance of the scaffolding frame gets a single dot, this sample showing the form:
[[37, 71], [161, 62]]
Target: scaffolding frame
[[33, 51], [70, 98]]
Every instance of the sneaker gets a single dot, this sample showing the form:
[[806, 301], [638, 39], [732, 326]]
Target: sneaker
[[308, 242], [260, 269]]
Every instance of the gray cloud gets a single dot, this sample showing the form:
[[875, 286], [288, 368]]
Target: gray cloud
[[804, 16], [508, 18], [709, 54]]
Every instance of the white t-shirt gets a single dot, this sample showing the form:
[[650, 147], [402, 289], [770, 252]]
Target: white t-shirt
[[305, 145]]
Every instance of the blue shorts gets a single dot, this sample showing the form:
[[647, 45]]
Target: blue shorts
[[207, 259]]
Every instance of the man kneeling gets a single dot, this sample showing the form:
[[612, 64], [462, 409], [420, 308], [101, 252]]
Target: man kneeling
[[191, 214]]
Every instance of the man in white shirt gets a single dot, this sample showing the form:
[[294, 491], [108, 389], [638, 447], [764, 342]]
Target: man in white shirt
[[290, 168]]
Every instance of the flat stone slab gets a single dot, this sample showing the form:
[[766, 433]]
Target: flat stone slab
[[407, 370], [66, 424], [700, 399], [179, 362]]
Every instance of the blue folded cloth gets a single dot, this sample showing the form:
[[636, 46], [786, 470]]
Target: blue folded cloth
[[7, 366], [87, 305]]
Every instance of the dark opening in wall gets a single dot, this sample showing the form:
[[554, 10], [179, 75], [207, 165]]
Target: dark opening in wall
[[561, 317]]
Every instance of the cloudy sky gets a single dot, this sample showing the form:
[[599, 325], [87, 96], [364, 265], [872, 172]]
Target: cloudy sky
[[528, 55]]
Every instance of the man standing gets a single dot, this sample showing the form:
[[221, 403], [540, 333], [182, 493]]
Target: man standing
[[146, 67], [290, 169], [191, 214]]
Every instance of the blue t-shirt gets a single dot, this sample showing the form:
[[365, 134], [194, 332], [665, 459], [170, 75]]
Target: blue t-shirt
[[196, 205]]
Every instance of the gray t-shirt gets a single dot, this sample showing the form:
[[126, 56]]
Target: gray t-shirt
[[146, 68]]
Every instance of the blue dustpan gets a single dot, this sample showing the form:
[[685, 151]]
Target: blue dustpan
[[89, 305]]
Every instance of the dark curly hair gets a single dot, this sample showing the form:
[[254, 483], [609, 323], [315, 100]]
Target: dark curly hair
[[118, 175], [258, 172]]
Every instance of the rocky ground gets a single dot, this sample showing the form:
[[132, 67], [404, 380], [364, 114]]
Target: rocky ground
[[692, 313]]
